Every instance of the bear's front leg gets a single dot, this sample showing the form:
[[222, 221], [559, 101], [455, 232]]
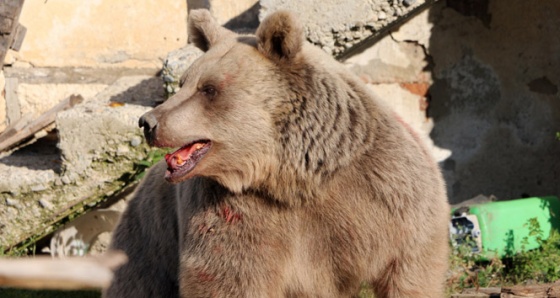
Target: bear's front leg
[[148, 233]]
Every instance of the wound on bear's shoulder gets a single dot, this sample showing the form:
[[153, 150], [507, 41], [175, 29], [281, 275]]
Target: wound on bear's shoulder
[[229, 215]]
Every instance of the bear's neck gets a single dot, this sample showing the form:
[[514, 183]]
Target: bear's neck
[[323, 128]]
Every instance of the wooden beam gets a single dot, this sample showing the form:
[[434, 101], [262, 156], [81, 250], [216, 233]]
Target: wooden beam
[[551, 290], [16, 133]]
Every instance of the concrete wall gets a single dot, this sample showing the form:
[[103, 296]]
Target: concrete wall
[[101, 33]]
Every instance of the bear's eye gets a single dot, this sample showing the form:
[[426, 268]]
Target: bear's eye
[[209, 91]]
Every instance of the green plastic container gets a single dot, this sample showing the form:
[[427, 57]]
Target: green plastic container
[[503, 227]]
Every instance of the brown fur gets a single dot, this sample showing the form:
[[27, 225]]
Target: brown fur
[[312, 186]]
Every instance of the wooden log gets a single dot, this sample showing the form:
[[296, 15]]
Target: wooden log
[[16, 134], [479, 293], [74, 273], [541, 291], [13, 109]]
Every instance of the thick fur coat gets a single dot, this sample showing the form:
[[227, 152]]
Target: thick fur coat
[[306, 186]]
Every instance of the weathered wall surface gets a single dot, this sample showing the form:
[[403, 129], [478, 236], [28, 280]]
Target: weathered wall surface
[[101, 33], [495, 100]]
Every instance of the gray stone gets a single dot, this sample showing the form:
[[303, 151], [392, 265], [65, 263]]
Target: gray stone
[[45, 204], [11, 202], [94, 129], [381, 15], [66, 179], [135, 141], [175, 64], [38, 187]]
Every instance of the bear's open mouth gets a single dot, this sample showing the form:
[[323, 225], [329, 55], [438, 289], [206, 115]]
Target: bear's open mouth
[[184, 160]]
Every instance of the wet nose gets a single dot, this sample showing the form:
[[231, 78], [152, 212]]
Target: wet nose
[[149, 122]]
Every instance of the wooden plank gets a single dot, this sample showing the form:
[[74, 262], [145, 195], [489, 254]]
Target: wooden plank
[[13, 111], [10, 138], [471, 295], [19, 35], [73, 273], [13, 128]]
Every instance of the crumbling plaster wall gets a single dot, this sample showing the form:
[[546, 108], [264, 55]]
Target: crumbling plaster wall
[[480, 84], [494, 100]]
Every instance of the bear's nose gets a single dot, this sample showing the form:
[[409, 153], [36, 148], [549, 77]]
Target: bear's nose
[[149, 122]]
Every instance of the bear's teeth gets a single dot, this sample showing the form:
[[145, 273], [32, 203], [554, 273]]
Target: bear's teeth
[[179, 161], [198, 146]]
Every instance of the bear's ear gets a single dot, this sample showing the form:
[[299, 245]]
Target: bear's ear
[[204, 31], [280, 36]]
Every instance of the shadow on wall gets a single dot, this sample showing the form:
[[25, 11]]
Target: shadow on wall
[[495, 99], [150, 92]]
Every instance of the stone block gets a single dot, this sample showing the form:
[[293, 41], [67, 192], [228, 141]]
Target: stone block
[[99, 144], [100, 128]]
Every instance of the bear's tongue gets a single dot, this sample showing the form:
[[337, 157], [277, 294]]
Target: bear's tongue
[[183, 156]]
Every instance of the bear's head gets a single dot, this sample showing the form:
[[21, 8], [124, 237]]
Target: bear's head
[[254, 112]]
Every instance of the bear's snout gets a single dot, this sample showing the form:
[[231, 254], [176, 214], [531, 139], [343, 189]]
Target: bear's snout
[[149, 122]]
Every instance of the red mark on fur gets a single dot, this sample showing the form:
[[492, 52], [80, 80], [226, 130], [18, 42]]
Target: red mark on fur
[[204, 276], [228, 78], [218, 249], [231, 216]]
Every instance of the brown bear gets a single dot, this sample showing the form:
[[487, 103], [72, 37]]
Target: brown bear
[[291, 180]]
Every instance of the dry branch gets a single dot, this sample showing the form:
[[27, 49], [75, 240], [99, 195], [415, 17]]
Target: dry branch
[[73, 273]]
